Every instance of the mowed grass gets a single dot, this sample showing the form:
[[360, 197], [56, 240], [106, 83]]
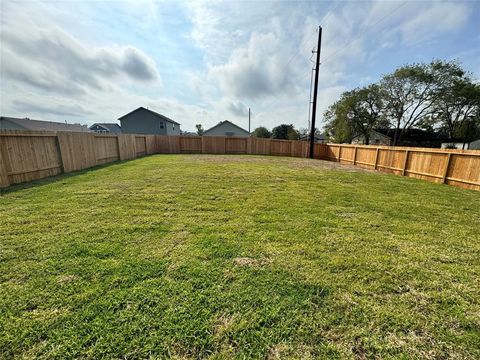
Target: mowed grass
[[195, 256]]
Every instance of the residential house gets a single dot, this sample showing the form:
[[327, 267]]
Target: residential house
[[146, 121], [376, 138], [226, 128], [474, 145], [12, 123], [106, 128], [320, 139], [461, 144]]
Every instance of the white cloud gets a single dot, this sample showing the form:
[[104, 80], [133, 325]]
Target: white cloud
[[255, 54], [56, 61], [433, 19]]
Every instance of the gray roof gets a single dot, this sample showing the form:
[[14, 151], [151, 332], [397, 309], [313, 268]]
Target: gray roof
[[113, 128], [163, 117], [224, 122], [40, 125]]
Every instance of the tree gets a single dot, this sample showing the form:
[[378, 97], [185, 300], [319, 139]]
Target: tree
[[200, 130], [457, 106], [286, 132], [262, 132], [337, 127], [357, 112], [412, 93]]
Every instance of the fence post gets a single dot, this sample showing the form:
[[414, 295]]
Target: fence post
[[447, 165], [4, 181], [376, 159], [339, 153], [405, 162], [355, 155], [59, 149]]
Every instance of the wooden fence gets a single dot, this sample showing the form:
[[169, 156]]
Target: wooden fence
[[26, 156], [454, 167]]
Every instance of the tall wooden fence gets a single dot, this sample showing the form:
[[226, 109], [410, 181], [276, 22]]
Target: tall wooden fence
[[26, 156]]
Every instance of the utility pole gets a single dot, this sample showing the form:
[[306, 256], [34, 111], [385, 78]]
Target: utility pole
[[315, 91], [249, 120]]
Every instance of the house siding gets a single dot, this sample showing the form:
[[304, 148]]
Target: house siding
[[226, 129], [172, 129], [143, 122]]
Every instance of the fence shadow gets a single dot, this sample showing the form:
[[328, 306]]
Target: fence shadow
[[55, 178]]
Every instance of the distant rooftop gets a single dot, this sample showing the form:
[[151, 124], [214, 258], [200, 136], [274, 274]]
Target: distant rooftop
[[12, 123], [151, 111], [112, 128]]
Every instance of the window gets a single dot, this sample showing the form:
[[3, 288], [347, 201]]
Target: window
[[161, 125], [229, 133], [173, 126]]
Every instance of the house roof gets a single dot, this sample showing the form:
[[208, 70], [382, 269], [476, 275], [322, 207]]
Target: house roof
[[40, 125], [222, 123], [111, 127], [163, 117]]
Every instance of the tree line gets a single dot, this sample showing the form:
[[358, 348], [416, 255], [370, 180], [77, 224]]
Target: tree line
[[437, 96], [283, 131]]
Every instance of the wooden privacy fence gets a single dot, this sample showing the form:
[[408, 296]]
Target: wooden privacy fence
[[454, 167], [26, 156]]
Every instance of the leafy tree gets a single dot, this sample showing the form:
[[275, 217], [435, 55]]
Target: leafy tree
[[286, 132], [357, 112], [413, 93], [337, 127], [457, 108], [200, 130], [262, 132]]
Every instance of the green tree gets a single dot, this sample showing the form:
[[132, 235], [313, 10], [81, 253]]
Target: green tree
[[457, 107], [412, 94], [262, 132], [200, 130], [357, 112], [285, 131], [282, 131]]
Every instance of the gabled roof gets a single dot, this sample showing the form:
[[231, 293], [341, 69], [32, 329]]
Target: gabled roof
[[224, 122], [40, 125], [163, 117], [114, 128]]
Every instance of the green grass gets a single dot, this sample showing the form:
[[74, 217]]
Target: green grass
[[238, 257]]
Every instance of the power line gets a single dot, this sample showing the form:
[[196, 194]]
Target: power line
[[324, 18], [364, 31]]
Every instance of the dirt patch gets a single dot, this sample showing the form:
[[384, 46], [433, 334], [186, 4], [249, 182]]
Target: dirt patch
[[250, 262], [65, 279], [222, 324], [296, 163], [284, 351]]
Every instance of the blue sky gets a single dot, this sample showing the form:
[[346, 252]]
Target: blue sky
[[207, 61]]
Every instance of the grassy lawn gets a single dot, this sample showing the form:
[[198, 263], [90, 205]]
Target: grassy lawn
[[218, 257]]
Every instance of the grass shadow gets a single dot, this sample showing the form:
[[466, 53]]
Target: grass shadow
[[55, 178]]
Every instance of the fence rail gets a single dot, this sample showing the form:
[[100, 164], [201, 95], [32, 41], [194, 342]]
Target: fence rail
[[26, 156]]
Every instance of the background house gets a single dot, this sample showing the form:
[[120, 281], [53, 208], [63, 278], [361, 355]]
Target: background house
[[106, 128], [461, 144], [320, 139], [376, 138], [146, 121], [226, 128], [11, 123]]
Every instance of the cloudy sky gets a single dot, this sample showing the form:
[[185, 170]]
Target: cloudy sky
[[207, 61]]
